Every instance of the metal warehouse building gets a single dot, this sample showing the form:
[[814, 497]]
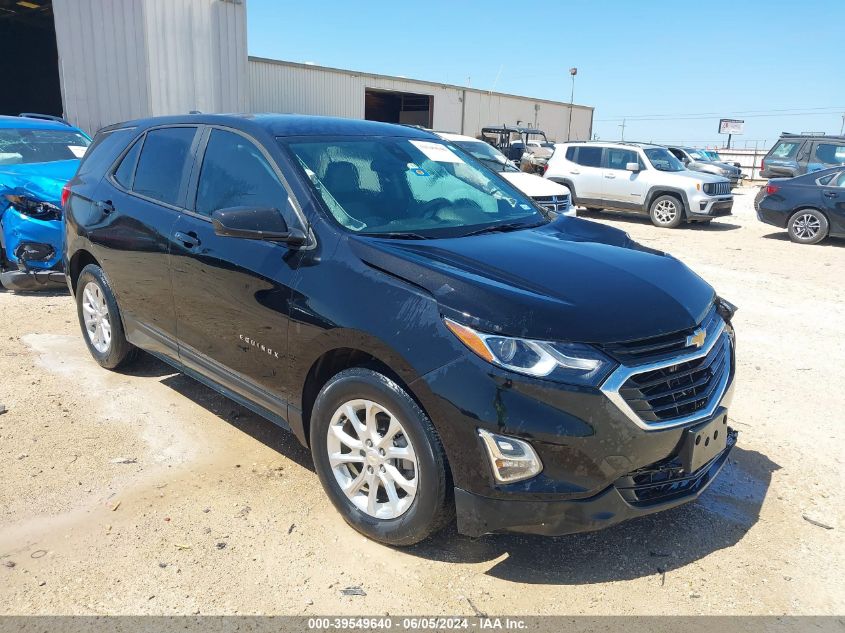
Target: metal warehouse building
[[97, 62]]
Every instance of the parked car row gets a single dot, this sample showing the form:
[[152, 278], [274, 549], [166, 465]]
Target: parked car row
[[639, 178]]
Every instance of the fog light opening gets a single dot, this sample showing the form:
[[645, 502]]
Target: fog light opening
[[511, 459]]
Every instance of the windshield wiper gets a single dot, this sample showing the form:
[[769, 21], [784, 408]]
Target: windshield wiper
[[397, 235], [501, 228]]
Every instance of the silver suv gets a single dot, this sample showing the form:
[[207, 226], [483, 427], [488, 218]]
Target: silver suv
[[698, 160], [639, 178]]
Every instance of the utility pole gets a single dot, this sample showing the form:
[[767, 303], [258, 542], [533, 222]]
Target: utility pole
[[623, 129], [572, 72]]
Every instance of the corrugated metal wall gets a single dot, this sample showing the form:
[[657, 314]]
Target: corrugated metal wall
[[277, 86], [124, 59]]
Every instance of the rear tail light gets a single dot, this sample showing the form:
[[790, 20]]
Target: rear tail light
[[770, 189], [545, 168], [65, 194], [762, 164]]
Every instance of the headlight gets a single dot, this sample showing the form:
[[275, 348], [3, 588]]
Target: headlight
[[570, 362]]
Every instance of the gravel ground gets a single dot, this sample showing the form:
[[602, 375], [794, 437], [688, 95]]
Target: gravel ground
[[145, 492]]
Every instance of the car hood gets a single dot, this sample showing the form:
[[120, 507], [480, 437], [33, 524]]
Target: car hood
[[689, 174], [570, 280], [533, 185], [40, 181]]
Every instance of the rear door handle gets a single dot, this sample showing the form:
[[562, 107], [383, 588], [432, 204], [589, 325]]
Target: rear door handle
[[609, 176], [831, 194], [189, 240], [105, 206], [575, 172]]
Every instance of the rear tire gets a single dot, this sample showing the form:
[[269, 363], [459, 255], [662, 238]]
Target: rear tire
[[398, 500], [666, 212], [99, 318], [808, 226]]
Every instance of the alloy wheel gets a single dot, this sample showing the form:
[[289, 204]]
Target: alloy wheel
[[96, 314], [665, 211], [806, 226], [372, 459]]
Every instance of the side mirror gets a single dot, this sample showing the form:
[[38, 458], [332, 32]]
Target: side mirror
[[634, 167], [255, 223]]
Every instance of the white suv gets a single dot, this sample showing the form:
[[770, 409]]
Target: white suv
[[640, 178]]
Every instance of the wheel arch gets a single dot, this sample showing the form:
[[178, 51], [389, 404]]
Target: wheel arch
[[657, 191], [77, 263], [344, 350]]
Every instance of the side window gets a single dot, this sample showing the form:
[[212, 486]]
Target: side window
[[162, 163], [570, 153], [589, 156], [830, 154], [784, 149], [617, 158], [102, 152], [840, 180], [236, 174], [124, 172]]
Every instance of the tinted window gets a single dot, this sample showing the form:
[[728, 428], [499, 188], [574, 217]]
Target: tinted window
[[162, 163], [784, 149], [570, 153], [619, 158], [124, 172], [840, 180], [830, 154], [102, 152], [588, 156], [236, 174]]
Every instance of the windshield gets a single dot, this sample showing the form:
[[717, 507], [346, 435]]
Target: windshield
[[19, 145], [698, 154], [714, 155], [409, 188], [663, 160], [487, 154]]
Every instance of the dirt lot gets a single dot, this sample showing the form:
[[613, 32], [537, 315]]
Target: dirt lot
[[144, 492]]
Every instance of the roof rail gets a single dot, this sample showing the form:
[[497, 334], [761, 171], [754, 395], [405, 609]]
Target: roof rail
[[44, 117], [811, 135]]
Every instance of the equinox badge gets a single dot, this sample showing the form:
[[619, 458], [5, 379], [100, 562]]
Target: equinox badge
[[697, 338]]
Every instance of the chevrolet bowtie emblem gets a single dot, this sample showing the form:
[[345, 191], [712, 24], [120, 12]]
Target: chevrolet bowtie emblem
[[697, 338]]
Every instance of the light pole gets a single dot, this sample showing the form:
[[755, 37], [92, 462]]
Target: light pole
[[572, 72]]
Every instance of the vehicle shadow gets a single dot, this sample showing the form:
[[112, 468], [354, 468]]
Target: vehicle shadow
[[783, 236], [628, 218], [47, 293], [652, 545]]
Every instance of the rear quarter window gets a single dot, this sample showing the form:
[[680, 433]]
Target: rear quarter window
[[785, 149], [830, 154], [103, 151], [587, 156]]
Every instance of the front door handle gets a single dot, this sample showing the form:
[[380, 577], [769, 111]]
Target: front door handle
[[189, 240]]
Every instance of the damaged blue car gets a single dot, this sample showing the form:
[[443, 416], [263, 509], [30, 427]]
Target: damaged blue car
[[38, 155]]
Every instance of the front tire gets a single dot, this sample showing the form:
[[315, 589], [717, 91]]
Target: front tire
[[666, 212], [379, 458], [808, 226], [99, 318]]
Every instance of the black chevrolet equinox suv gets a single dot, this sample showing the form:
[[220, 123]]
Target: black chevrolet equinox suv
[[441, 344]]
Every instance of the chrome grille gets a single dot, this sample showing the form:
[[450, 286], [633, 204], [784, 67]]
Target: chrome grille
[[557, 204], [717, 188], [678, 390]]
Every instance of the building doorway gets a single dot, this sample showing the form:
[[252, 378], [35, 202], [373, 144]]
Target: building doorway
[[398, 107]]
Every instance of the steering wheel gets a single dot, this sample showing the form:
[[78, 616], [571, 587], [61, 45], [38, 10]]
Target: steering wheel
[[430, 208]]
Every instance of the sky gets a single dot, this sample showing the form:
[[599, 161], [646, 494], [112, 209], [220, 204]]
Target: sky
[[670, 69]]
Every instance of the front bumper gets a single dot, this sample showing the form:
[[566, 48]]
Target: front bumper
[[710, 206], [25, 280], [478, 515]]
